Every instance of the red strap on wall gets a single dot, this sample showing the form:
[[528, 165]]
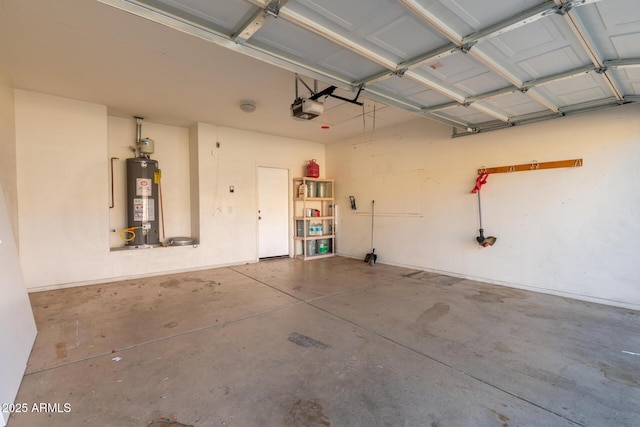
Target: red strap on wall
[[480, 181]]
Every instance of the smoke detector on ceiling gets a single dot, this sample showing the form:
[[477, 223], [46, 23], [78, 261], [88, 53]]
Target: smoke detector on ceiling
[[248, 106]]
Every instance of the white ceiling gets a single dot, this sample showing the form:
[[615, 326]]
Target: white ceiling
[[474, 65]]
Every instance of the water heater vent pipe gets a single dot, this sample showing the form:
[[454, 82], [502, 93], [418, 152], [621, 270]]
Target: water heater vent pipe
[[144, 147], [138, 129]]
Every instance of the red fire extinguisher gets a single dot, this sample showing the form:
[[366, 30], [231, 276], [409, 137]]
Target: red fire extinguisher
[[313, 169]]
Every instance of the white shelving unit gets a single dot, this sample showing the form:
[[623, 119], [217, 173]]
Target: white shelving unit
[[314, 218]]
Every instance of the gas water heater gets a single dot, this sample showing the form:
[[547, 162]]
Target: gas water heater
[[143, 177]]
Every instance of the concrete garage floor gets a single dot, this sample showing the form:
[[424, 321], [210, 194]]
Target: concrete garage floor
[[329, 342]]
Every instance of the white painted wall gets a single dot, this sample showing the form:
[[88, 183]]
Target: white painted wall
[[570, 232], [8, 150], [564, 231], [61, 150], [17, 326], [228, 221], [64, 147]]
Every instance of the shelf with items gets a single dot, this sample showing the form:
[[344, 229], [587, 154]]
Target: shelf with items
[[313, 218]]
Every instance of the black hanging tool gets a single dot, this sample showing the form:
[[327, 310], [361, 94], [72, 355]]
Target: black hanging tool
[[352, 200], [371, 257], [481, 239]]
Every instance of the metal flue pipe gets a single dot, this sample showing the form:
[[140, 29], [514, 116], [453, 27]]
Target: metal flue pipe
[[138, 129]]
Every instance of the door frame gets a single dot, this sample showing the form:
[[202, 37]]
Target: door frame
[[289, 206]]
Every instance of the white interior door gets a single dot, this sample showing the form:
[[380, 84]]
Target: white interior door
[[273, 212], [17, 327]]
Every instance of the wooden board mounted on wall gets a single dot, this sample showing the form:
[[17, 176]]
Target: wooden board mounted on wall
[[533, 166]]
